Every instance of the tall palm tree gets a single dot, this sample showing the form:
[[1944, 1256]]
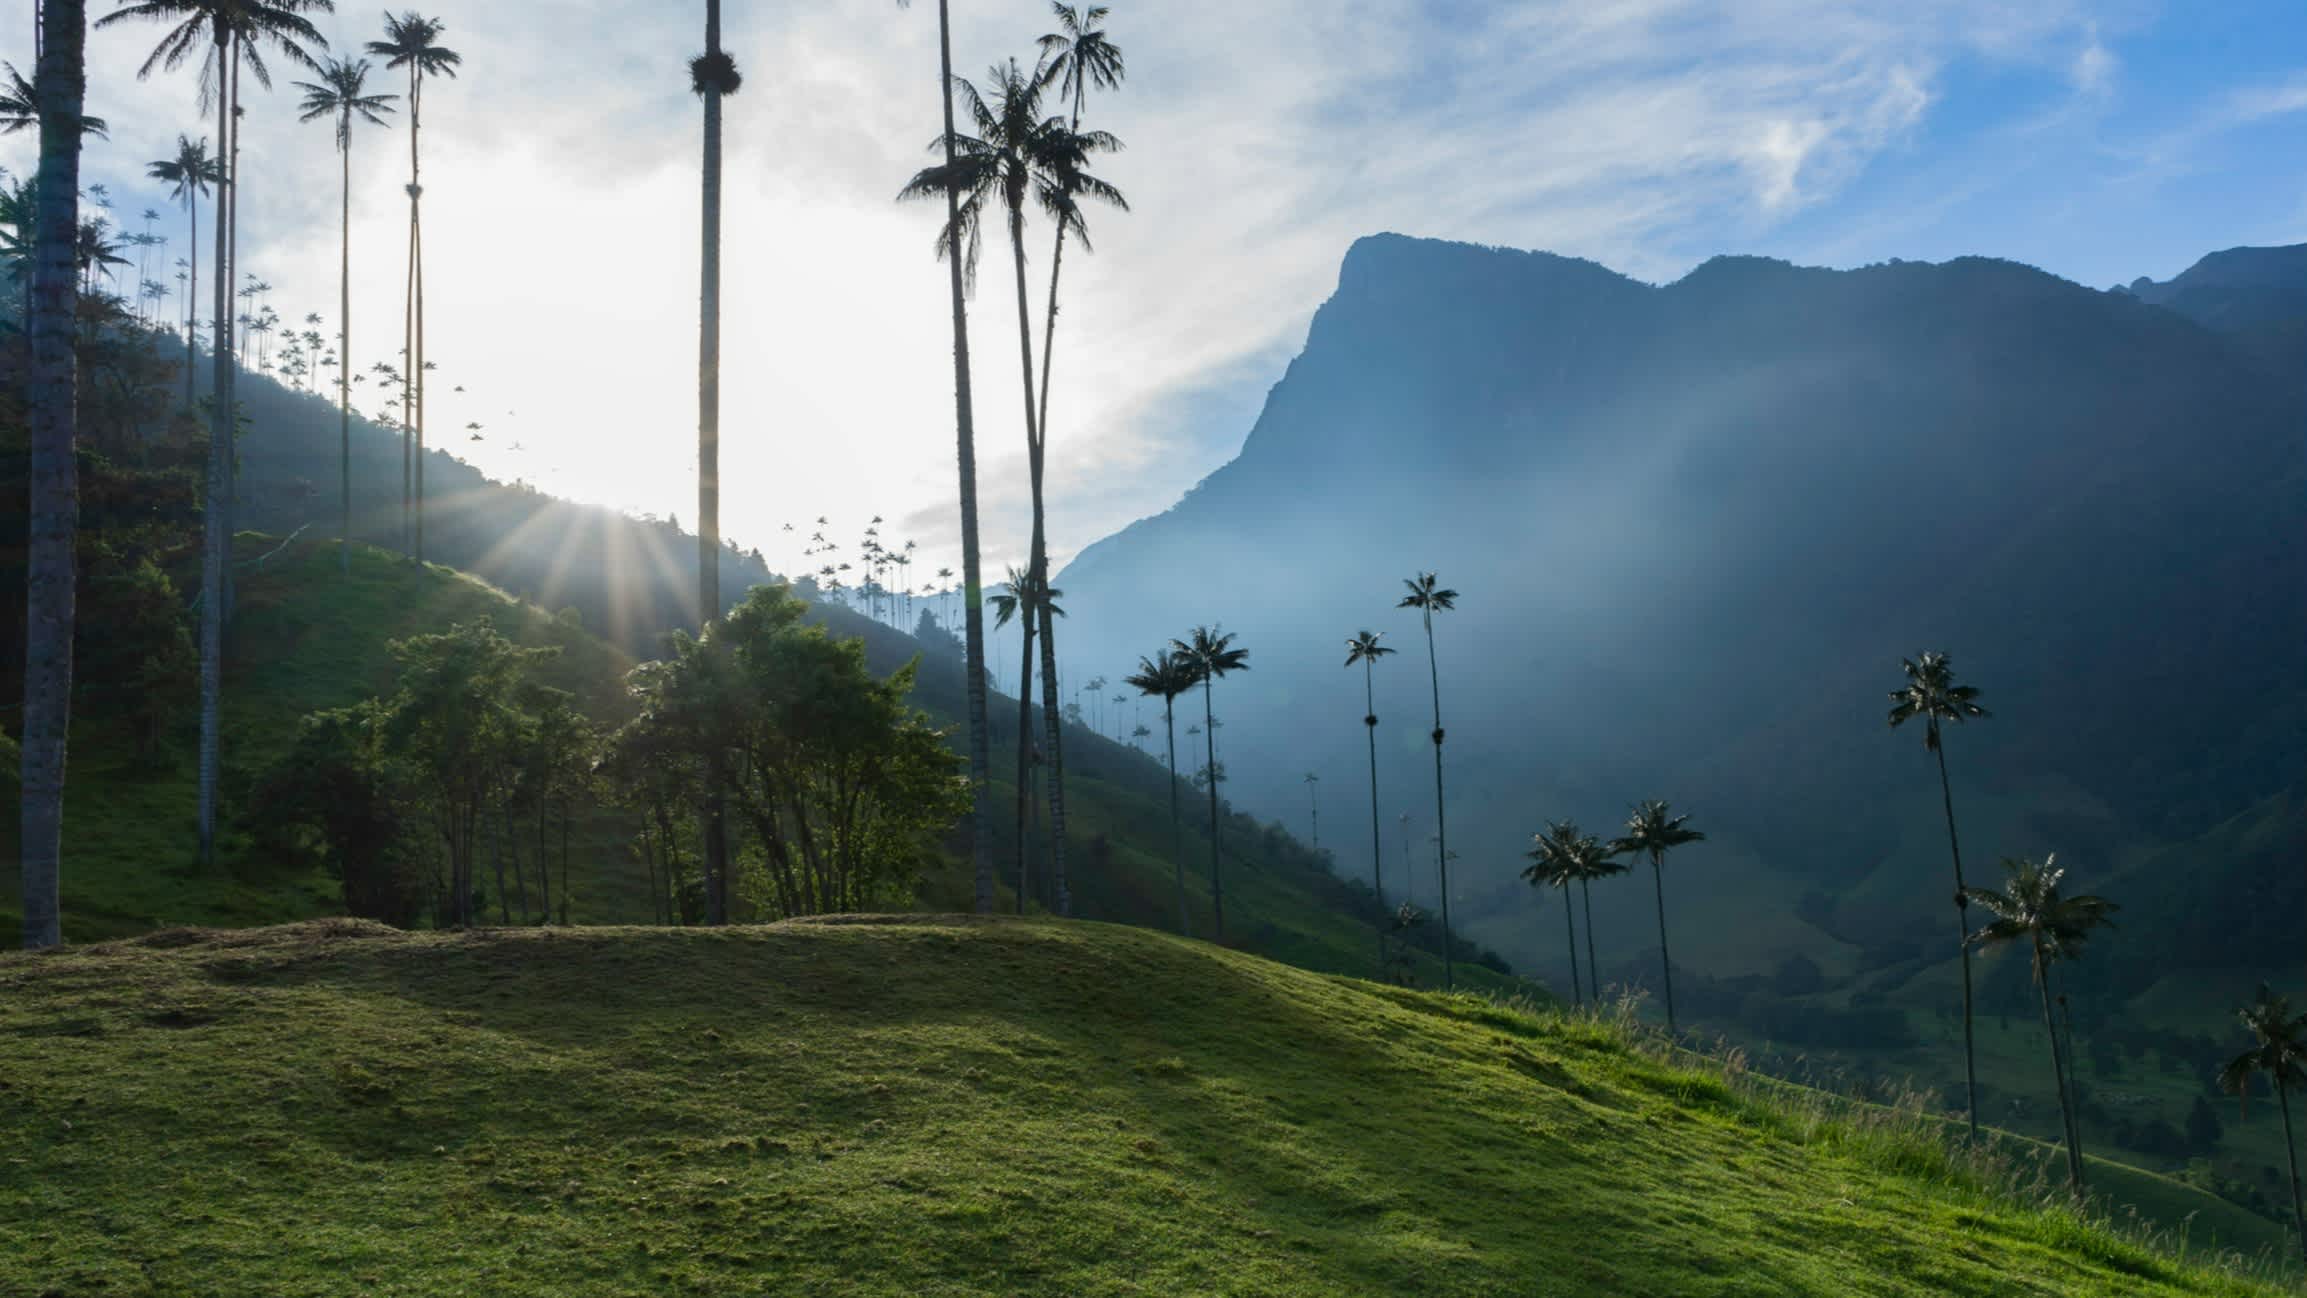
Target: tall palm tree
[[1555, 856], [190, 175], [2280, 1051], [1168, 675], [412, 41], [239, 31], [1427, 596], [1018, 154], [1075, 57], [965, 459], [51, 392], [342, 94], [2031, 909], [1363, 647], [1588, 859], [1930, 693], [1211, 654], [713, 76], [1314, 799], [1023, 598], [1653, 830]]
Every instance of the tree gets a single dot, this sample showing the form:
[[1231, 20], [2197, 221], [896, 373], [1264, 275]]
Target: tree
[[2279, 1050], [965, 457], [1363, 647], [1554, 855], [1021, 597], [1211, 654], [2030, 909], [1314, 801], [339, 795], [20, 103], [2204, 1130], [1930, 693], [342, 94], [1016, 155], [1427, 596], [1653, 830], [412, 41], [239, 30], [1586, 858], [52, 398], [1168, 675]]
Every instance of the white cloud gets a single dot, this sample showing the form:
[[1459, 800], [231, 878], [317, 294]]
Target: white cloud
[[562, 196]]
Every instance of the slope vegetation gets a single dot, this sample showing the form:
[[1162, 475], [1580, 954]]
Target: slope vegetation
[[918, 1106]]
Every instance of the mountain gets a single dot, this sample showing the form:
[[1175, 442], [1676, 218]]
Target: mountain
[[1695, 526], [2235, 290], [881, 1105]]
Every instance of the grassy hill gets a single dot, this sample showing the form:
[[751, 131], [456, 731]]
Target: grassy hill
[[923, 1106]]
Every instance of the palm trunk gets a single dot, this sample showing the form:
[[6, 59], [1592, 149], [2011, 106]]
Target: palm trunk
[[2058, 1073], [212, 506], [1024, 749], [1177, 824], [192, 296], [1593, 967], [409, 332], [420, 388], [1210, 735], [1570, 941], [1962, 936], [54, 483], [965, 455], [344, 371], [1037, 570], [1665, 958], [2291, 1153], [228, 394], [1053, 724], [708, 448], [1441, 816], [1377, 862]]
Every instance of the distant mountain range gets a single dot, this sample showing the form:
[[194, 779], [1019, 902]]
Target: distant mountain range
[[1695, 526]]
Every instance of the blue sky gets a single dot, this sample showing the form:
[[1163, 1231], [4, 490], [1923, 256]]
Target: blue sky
[[2098, 139]]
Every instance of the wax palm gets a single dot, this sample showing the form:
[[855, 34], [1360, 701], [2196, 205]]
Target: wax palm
[[2031, 909], [1428, 597], [1930, 693], [1211, 654], [190, 176], [51, 381], [95, 252], [341, 96], [2279, 1049], [1362, 647], [412, 41], [1560, 856], [1653, 830], [965, 457], [240, 31], [20, 107], [1167, 675], [1021, 598]]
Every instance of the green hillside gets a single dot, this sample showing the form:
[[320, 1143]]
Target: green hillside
[[922, 1106]]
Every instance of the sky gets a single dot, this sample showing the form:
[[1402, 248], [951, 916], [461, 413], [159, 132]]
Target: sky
[[2099, 141]]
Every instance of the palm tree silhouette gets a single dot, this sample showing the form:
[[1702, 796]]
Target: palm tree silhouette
[[2279, 1050], [1554, 855], [239, 30], [342, 94], [1022, 597], [20, 105], [1427, 596], [1587, 858], [1930, 693], [1363, 647], [53, 486], [1653, 830], [2030, 909], [1168, 674], [965, 459], [412, 41], [1210, 655]]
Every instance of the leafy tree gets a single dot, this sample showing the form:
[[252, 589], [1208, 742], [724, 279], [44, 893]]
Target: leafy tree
[[1931, 694], [1653, 830], [1167, 675], [1211, 654], [2279, 1049], [412, 41], [1363, 647], [1428, 597], [52, 392], [337, 794], [2204, 1130], [342, 94], [2030, 909]]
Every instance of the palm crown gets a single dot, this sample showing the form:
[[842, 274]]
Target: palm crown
[[1931, 693], [342, 92], [1427, 596], [1165, 675], [413, 40], [1078, 55], [1653, 830], [1211, 653], [1562, 855], [20, 106], [2280, 1048], [1363, 646], [1018, 593], [2031, 909], [251, 24], [190, 173]]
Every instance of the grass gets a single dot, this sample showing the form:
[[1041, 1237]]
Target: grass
[[926, 1106]]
